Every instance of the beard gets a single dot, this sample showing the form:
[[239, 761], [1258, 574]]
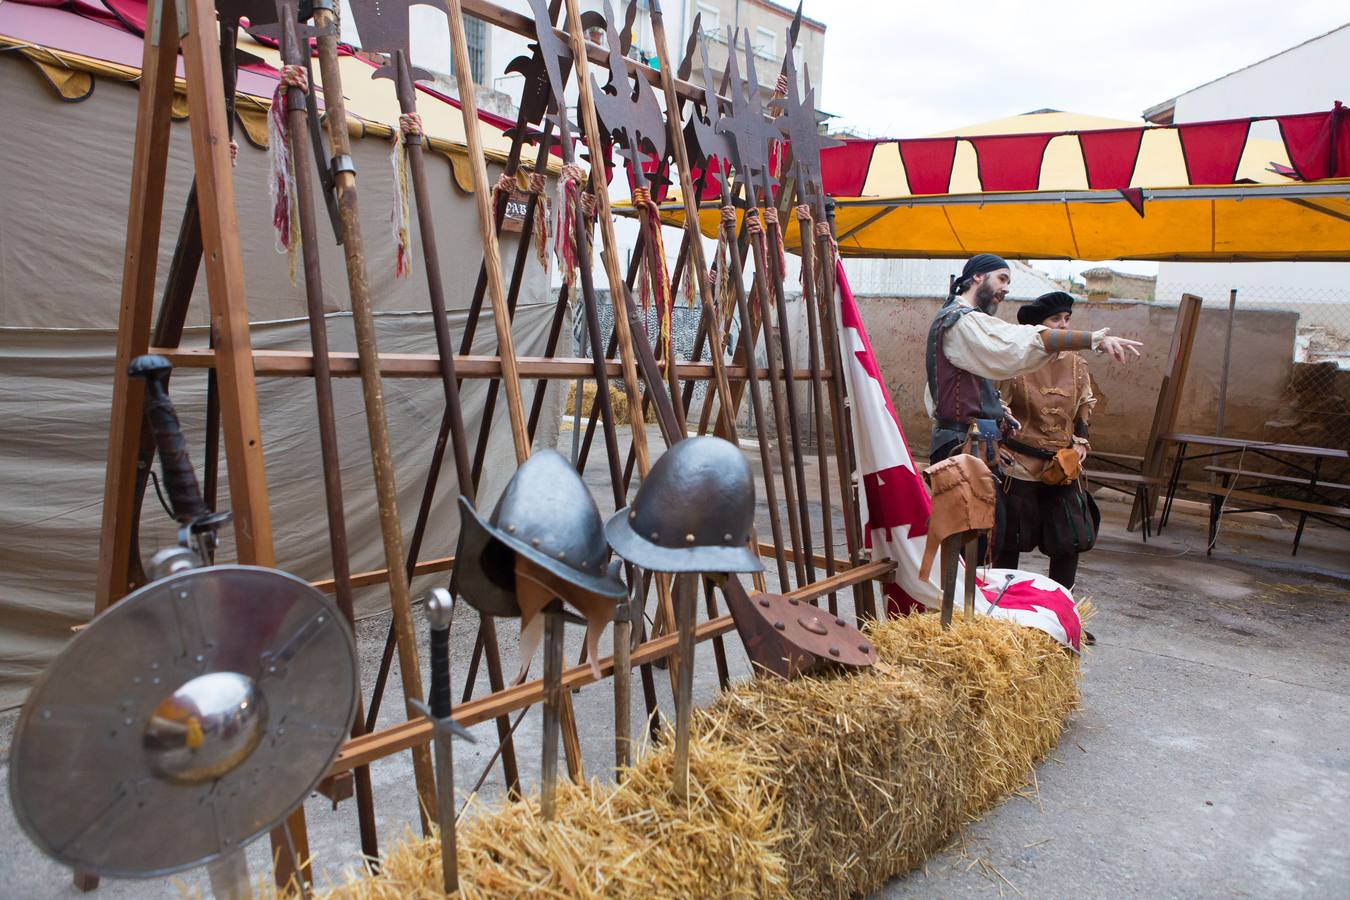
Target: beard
[[986, 299]]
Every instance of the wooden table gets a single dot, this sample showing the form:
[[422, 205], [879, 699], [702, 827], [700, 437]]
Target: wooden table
[[1297, 457]]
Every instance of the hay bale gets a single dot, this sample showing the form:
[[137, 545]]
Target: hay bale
[[878, 769], [624, 840], [618, 401], [810, 788]]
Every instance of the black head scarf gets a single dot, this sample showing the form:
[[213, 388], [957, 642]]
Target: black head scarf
[[979, 264], [1045, 306]]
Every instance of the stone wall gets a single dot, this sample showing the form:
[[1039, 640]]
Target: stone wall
[[1259, 377]]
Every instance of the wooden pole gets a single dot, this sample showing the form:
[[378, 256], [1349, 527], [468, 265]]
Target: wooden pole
[[330, 460], [685, 589], [1227, 358], [501, 315], [372, 391], [622, 327], [737, 277], [778, 388], [864, 601], [813, 336], [144, 220]]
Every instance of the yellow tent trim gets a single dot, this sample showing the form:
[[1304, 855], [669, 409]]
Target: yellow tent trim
[[72, 74], [1298, 222]]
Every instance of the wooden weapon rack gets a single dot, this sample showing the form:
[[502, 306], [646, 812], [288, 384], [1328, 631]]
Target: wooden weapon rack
[[652, 375]]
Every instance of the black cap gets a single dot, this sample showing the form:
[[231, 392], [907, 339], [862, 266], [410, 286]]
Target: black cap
[[979, 264], [1045, 306]]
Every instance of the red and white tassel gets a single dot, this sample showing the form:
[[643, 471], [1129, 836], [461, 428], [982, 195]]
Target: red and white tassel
[[565, 238], [654, 261], [281, 177], [409, 128]]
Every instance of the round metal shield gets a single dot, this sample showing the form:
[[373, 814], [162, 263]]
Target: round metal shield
[[185, 721]]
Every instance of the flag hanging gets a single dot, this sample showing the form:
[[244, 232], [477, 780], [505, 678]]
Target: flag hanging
[[894, 506]]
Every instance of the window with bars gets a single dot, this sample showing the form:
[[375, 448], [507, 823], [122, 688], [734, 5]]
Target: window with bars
[[476, 34]]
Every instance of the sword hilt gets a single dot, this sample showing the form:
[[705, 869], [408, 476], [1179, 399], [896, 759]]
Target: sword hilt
[[439, 606], [180, 479]]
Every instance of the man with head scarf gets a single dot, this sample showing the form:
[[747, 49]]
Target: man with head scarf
[[1045, 506], [969, 348]]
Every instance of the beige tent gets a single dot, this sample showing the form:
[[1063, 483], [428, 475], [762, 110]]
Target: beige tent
[[64, 182]]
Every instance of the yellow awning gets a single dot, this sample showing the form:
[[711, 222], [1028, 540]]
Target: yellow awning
[[1191, 224], [1265, 217]]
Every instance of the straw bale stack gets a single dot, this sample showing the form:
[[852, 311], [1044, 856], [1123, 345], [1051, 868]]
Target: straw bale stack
[[811, 788]]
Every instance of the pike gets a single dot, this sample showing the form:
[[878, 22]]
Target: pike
[[533, 105], [553, 56], [363, 321], [385, 27], [714, 144], [749, 137], [798, 124], [501, 317], [633, 120], [623, 304], [296, 81], [759, 162], [799, 127]]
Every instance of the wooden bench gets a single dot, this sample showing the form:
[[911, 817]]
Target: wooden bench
[[1131, 483], [1280, 479], [1219, 497]]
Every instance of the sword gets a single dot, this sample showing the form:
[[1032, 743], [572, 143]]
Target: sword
[[1007, 583], [440, 607]]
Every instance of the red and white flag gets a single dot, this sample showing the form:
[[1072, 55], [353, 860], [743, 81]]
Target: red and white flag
[[894, 504]]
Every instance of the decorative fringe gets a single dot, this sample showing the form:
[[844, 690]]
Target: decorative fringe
[[538, 185], [754, 226], [281, 177], [771, 222], [565, 236], [803, 215], [588, 219], [410, 131], [726, 296], [654, 261]]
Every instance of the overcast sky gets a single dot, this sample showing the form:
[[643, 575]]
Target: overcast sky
[[904, 69]]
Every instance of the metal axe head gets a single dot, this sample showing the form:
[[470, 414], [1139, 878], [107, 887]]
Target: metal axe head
[[384, 28]]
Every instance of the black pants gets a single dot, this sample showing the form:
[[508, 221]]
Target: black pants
[[1036, 516]]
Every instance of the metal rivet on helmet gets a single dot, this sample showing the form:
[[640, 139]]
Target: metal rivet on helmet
[[700, 495]]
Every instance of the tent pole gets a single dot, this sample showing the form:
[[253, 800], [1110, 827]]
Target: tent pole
[[1227, 357]]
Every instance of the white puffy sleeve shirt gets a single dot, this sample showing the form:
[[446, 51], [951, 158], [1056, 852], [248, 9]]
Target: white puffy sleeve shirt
[[987, 346]]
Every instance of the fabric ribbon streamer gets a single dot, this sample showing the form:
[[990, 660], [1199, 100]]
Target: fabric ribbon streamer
[[538, 185], [771, 222], [654, 261], [803, 215], [722, 271], [565, 236], [281, 177], [410, 131], [754, 226]]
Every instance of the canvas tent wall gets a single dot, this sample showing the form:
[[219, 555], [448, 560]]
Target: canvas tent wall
[[64, 183]]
